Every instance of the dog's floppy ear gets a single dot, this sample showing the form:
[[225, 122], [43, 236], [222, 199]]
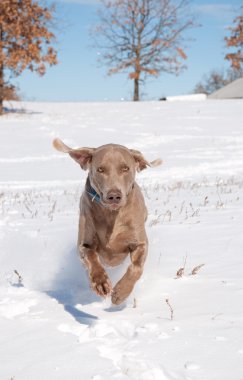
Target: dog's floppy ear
[[141, 162], [81, 155]]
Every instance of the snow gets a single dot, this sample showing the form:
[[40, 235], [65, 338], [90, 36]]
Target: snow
[[188, 97], [52, 326]]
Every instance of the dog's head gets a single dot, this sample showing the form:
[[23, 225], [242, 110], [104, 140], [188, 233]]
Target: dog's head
[[111, 168]]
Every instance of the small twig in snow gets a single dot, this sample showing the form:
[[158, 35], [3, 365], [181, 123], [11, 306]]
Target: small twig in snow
[[206, 201], [220, 204], [182, 207], [171, 309], [181, 271], [159, 258], [51, 212], [169, 215], [20, 278], [216, 316], [196, 269]]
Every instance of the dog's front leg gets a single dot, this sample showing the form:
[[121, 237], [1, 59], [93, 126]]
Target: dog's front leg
[[125, 286], [98, 277]]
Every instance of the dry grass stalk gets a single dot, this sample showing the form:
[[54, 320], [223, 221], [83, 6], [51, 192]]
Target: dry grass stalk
[[134, 303], [196, 269], [220, 203], [154, 221], [181, 271], [216, 316], [52, 211], [20, 278], [168, 214], [194, 212], [171, 309], [182, 207], [206, 201]]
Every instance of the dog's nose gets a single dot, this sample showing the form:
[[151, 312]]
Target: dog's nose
[[114, 196]]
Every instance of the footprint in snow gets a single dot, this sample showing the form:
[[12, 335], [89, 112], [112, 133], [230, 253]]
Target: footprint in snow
[[82, 332], [191, 366], [11, 307], [137, 369]]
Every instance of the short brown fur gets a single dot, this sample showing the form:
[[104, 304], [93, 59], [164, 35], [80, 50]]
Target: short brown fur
[[112, 227]]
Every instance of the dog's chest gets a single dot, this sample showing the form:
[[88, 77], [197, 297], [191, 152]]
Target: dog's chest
[[114, 239], [115, 236]]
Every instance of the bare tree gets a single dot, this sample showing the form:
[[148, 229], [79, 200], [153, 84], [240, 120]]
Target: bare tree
[[211, 82], [235, 41], [216, 79], [142, 37], [25, 39]]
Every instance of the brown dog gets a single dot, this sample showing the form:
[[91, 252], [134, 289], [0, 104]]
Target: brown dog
[[112, 215]]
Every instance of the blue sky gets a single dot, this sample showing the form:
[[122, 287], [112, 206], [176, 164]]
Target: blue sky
[[78, 76]]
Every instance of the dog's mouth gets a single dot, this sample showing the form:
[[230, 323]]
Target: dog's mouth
[[112, 206]]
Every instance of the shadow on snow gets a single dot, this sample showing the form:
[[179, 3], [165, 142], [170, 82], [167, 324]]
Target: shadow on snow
[[71, 288]]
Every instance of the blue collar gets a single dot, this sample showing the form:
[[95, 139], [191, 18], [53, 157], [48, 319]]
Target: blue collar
[[92, 192]]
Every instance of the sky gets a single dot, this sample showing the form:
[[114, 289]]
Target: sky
[[79, 77]]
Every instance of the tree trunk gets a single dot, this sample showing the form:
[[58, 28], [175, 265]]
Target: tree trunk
[[136, 90], [1, 89], [1, 107], [1, 76]]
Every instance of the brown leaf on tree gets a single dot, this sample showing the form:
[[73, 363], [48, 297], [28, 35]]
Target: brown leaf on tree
[[134, 76], [182, 53], [235, 40], [25, 38]]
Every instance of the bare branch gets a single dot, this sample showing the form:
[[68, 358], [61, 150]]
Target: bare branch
[[143, 37]]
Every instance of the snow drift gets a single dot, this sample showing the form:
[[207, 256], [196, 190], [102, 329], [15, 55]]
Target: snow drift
[[52, 325]]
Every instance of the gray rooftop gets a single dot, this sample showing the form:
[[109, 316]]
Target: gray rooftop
[[233, 90]]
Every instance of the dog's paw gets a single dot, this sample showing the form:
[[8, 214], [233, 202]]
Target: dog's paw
[[101, 283], [120, 293]]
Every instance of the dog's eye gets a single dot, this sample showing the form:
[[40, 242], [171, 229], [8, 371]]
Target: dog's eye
[[125, 168], [100, 170]]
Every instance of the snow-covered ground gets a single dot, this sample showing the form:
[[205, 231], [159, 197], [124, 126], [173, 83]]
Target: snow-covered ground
[[51, 324]]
